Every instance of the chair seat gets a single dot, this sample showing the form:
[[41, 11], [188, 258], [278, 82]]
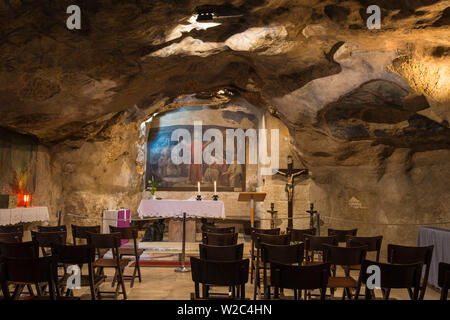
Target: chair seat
[[111, 263], [342, 282], [130, 251]]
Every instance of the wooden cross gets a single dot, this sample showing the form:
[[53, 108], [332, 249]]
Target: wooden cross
[[272, 212], [290, 173], [311, 212]]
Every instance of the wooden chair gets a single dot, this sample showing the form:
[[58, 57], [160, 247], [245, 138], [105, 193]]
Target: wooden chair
[[109, 241], [261, 239], [299, 234], [373, 244], [61, 228], [404, 255], [26, 250], [219, 239], [14, 228], [81, 232], [220, 230], [221, 253], [342, 234], [444, 279], [129, 233], [299, 278], [230, 274], [315, 244], [46, 239], [11, 237], [285, 254], [80, 236], [406, 276], [27, 270], [253, 232], [344, 257], [78, 255]]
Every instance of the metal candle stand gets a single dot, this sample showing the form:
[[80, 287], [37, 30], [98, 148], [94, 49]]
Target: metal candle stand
[[199, 197], [215, 197], [183, 268]]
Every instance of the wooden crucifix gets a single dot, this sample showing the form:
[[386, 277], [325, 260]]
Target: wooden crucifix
[[290, 173]]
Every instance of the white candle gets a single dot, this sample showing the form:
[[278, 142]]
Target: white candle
[[198, 187], [215, 188]]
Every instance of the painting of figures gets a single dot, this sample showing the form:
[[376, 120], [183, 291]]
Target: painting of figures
[[184, 177]]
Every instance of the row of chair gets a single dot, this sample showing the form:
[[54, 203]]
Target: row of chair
[[52, 242], [277, 248]]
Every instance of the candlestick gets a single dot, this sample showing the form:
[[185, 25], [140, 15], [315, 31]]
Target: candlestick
[[215, 187], [198, 187]]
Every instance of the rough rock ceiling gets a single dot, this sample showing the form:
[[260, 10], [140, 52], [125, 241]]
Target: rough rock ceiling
[[312, 63]]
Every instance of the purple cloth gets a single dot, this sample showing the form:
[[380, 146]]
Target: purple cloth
[[440, 239]]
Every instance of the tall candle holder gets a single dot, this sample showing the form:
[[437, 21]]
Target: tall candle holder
[[199, 197], [215, 197]]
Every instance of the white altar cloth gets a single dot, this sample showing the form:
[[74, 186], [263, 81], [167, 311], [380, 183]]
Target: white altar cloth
[[19, 215], [176, 208]]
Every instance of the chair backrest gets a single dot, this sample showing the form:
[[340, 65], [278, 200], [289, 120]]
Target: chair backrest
[[81, 232], [28, 249], [219, 239], [45, 239], [395, 275], [404, 254], [286, 254], [14, 228], [220, 273], [300, 277], [104, 240], [444, 279], [299, 234], [70, 254], [11, 237], [341, 234], [254, 231], [221, 253], [283, 239], [28, 270], [52, 228], [315, 243], [129, 233], [220, 230], [344, 256], [373, 243]]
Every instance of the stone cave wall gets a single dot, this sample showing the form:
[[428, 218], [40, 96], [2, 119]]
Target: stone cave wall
[[412, 190]]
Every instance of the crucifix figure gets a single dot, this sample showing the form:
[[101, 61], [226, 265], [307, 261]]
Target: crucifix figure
[[290, 173]]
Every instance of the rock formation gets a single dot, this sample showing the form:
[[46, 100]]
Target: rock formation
[[368, 110]]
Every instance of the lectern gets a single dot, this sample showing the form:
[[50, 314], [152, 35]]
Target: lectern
[[252, 197]]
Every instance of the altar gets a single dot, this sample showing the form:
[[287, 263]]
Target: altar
[[176, 208], [23, 215], [181, 209]]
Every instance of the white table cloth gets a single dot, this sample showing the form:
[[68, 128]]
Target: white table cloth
[[176, 208], [19, 215]]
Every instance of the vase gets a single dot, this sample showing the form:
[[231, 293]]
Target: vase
[[153, 197]]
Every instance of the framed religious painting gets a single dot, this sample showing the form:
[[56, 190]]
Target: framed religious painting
[[184, 177]]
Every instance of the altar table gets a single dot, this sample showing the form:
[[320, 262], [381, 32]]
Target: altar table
[[176, 208], [22, 215]]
